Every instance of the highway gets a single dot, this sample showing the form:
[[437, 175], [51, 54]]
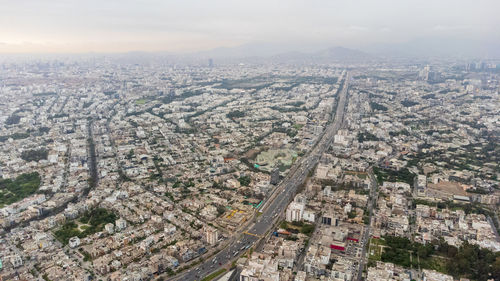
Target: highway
[[277, 203], [365, 240]]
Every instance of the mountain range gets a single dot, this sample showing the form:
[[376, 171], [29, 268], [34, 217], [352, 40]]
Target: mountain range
[[422, 48]]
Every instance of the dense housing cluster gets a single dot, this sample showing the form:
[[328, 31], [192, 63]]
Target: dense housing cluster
[[119, 171]]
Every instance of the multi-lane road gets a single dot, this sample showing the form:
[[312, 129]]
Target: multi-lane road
[[367, 232], [277, 203]]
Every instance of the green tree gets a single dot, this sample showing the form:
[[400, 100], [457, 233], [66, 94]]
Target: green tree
[[245, 180]]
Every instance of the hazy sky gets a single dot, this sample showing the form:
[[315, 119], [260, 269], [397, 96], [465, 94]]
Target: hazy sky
[[188, 25]]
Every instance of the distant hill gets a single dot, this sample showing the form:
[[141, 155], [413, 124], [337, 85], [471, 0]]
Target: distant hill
[[341, 54], [438, 47], [280, 53], [314, 54]]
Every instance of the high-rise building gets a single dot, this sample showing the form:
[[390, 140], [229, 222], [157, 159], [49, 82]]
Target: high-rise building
[[424, 73], [211, 236], [295, 211], [421, 185]]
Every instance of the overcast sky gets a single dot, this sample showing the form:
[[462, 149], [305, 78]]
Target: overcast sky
[[72, 26]]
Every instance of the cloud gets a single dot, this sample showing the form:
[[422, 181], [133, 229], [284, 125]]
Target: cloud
[[199, 24], [358, 28], [450, 27]]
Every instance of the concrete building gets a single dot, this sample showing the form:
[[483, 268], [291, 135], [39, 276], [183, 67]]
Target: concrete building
[[294, 212], [211, 236], [74, 242]]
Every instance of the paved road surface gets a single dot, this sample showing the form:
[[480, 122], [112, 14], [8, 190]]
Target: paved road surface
[[366, 235]]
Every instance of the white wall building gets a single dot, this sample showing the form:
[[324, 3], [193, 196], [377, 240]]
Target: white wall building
[[295, 212]]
